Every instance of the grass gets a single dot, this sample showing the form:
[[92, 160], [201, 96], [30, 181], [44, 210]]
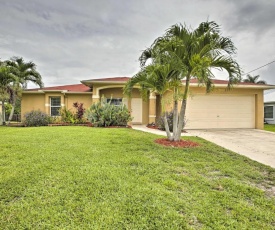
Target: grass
[[269, 127], [92, 178]]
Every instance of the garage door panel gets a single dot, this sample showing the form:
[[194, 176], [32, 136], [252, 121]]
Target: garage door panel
[[220, 111]]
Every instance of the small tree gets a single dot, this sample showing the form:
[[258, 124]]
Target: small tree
[[23, 72], [6, 92]]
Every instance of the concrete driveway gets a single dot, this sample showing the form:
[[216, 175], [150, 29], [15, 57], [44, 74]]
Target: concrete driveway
[[256, 144]]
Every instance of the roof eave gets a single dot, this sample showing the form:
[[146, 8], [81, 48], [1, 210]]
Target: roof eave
[[265, 87], [55, 91]]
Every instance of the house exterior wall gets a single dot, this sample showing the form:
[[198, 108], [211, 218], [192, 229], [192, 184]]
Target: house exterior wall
[[80, 98], [271, 121], [151, 108], [31, 102], [257, 93], [41, 101]]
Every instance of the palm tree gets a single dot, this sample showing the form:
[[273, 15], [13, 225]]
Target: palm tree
[[198, 51], [254, 79], [6, 79], [23, 73], [157, 78]]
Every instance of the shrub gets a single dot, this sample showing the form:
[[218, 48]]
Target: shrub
[[79, 110], [36, 118], [104, 114], [160, 122], [68, 116]]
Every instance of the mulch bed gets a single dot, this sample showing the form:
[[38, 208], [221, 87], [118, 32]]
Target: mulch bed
[[177, 144]]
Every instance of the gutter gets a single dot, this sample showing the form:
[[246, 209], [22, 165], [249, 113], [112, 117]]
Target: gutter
[[55, 91], [264, 87]]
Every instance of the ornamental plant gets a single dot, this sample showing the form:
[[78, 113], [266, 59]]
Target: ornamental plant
[[79, 110], [36, 118], [76, 117], [103, 114]]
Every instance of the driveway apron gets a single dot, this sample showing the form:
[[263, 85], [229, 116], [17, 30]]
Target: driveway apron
[[256, 144]]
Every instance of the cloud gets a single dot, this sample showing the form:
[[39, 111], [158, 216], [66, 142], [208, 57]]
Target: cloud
[[75, 40], [251, 16]]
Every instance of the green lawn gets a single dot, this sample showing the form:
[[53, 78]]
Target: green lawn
[[93, 178], [269, 127]]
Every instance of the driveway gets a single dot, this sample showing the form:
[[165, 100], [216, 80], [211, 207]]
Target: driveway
[[256, 144]]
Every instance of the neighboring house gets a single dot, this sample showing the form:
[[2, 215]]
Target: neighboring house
[[241, 107], [269, 108]]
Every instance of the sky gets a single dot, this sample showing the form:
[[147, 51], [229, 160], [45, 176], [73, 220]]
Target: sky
[[74, 40]]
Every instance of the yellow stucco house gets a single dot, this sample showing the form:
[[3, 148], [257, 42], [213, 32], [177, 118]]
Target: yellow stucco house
[[241, 107]]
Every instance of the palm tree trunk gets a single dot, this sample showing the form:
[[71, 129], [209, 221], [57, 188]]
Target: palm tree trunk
[[3, 113], [183, 109], [166, 126], [167, 130], [12, 112], [175, 113]]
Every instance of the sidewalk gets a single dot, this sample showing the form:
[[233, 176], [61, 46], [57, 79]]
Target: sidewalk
[[154, 131]]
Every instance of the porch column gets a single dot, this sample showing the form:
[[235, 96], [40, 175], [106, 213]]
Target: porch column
[[152, 108], [47, 104], [95, 95], [63, 101], [95, 98]]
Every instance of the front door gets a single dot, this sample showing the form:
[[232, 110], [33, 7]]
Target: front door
[[136, 105]]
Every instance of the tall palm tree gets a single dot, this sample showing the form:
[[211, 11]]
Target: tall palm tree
[[23, 73], [254, 79], [6, 79], [198, 51]]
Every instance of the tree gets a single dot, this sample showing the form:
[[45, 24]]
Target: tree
[[157, 78], [196, 53], [254, 79], [23, 73], [6, 92]]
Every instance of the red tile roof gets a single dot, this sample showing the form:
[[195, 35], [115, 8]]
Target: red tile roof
[[71, 88]]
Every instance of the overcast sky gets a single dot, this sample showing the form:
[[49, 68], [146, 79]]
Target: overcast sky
[[84, 39]]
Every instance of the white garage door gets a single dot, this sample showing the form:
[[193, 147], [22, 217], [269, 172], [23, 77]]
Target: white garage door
[[220, 111]]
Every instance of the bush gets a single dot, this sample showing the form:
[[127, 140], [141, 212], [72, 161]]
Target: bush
[[67, 116], [104, 114], [79, 110], [36, 118], [160, 122]]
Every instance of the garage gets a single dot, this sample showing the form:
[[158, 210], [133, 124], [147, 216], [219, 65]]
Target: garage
[[206, 111]]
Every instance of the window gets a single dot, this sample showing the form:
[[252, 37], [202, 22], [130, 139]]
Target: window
[[55, 106], [268, 112], [115, 101]]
